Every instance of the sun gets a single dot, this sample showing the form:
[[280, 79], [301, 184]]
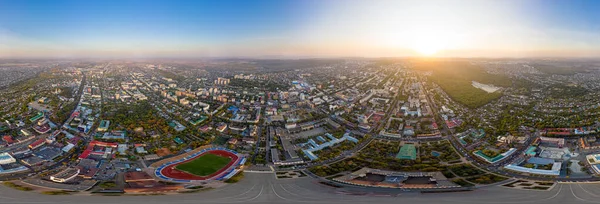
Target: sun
[[429, 41], [427, 49], [428, 45], [426, 41]]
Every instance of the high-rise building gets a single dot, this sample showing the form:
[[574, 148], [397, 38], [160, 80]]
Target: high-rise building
[[222, 81]]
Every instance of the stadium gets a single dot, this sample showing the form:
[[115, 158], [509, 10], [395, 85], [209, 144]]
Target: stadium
[[202, 164]]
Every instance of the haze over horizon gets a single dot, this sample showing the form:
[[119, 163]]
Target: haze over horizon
[[288, 29]]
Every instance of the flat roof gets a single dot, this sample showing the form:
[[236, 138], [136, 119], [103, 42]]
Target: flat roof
[[5, 155], [531, 150], [540, 161], [489, 159], [104, 123]]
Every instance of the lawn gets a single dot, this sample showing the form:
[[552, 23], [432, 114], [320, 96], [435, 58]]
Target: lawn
[[486, 179], [204, 165], [465, 170]]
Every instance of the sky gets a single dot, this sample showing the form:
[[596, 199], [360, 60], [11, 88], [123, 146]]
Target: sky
[[299, 28]]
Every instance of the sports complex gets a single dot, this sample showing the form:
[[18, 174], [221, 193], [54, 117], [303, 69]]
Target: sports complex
[[202, 164]]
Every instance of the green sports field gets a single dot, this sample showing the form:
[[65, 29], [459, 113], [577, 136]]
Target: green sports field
[[204, 165]]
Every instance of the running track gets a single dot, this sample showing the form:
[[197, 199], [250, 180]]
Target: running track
[[171, 172]]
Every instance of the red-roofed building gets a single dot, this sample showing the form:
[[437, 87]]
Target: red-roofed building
[[37, 143], [90, 148], [376, 118], [205, 128], [435, 126], [87, 173], [42, 129], [380, 113], [74, 140], [451, 123], [8, 139]]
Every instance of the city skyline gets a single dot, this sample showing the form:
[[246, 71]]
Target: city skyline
[[297, 29], [299, 101]]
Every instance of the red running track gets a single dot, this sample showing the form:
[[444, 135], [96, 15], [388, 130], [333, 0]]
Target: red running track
[[171, 172]]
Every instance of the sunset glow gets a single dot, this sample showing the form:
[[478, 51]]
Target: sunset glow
[[381, 28]]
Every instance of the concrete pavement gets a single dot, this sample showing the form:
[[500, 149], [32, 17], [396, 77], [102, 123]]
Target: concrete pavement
[[264, 188]]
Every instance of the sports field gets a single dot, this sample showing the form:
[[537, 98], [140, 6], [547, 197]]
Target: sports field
[[204, 165]]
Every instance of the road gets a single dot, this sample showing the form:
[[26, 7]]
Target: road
[[264, 188], [77, 99]]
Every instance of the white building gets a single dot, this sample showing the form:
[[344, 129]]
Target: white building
[[68, 147], [65, 175], [6, 158], [594, 161]]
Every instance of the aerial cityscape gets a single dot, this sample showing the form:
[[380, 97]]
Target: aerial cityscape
[[470, 101]]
